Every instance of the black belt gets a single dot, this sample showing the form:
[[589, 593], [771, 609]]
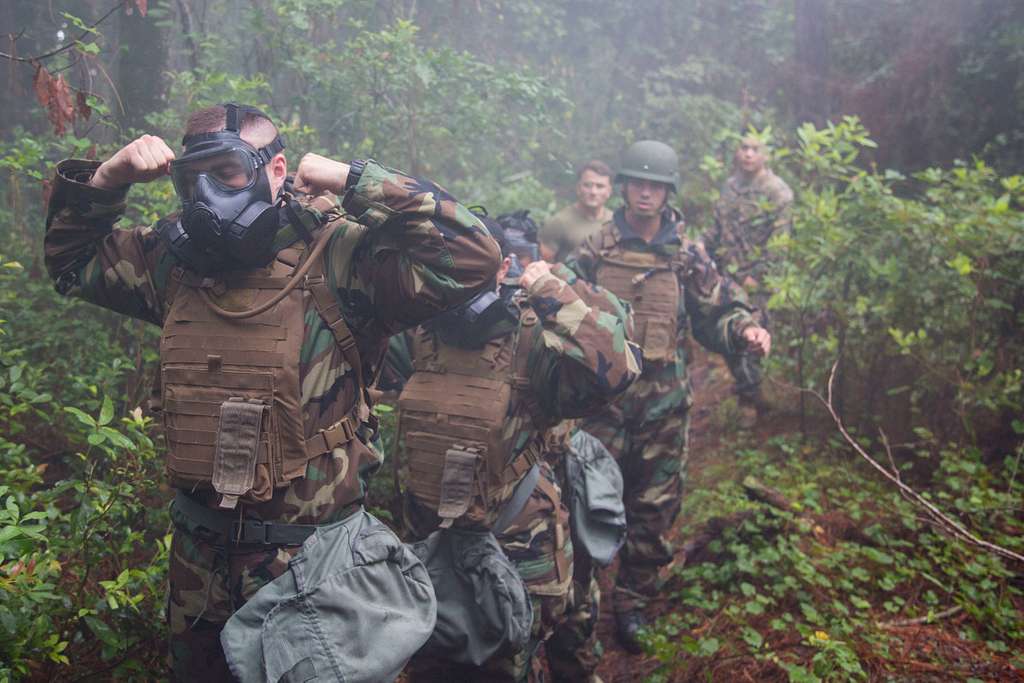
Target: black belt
[[217, 528]]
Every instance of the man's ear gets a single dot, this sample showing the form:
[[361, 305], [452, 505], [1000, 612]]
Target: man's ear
[[278, 167]]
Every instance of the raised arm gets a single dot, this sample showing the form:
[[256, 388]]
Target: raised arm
[[422, 254], [581, 358], [123, 270]]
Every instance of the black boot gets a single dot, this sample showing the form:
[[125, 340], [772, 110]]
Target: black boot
[[628, 626]]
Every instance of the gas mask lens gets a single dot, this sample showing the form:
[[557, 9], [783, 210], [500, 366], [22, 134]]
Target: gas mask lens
[[231, 170]]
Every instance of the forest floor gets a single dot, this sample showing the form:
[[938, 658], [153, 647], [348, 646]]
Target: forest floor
[[916, 650]]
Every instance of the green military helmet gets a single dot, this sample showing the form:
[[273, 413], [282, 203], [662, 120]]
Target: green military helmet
[[650, 160]]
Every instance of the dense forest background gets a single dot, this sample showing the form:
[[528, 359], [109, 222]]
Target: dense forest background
[[899, 124]]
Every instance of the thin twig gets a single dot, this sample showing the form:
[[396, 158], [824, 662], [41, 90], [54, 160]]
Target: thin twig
[[927, 619], [949, 524], [71, 44]]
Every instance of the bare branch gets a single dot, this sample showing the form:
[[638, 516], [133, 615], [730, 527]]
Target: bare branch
[[63, 48], [946, 522], [927, 619]]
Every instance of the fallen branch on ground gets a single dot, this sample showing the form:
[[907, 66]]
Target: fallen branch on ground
[[944, 521], [927, 619]]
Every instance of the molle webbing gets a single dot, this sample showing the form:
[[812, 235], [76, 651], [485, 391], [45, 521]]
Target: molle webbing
[[451, 419], [649, 282], [230, 385]]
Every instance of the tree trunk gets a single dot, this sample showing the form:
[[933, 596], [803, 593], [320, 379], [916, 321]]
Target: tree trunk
[[812, 61]]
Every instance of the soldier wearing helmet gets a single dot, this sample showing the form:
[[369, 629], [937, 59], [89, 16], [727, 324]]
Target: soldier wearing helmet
[[643, 256]]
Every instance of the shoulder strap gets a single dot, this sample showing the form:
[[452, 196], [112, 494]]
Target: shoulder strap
[[329, 308], [520, 370]]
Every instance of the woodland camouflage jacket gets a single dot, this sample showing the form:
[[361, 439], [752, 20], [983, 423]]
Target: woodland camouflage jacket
[[421, 253], [747, 215]]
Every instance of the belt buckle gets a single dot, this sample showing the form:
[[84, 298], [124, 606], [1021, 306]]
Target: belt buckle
[[240, 537], [344, 424]]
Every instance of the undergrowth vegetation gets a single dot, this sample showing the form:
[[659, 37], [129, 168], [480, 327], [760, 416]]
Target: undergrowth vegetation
[[808, 566]]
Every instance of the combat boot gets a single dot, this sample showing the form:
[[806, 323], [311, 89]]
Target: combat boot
[[628, 626]]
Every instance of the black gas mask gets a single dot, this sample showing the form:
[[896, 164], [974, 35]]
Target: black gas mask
[[229, 217], [521, 236], [486, 316]]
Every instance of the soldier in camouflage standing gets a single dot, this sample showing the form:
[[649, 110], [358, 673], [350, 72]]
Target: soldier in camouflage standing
[[644, 257], [567, 229], [561, 346], [273, 313], [754, 205]]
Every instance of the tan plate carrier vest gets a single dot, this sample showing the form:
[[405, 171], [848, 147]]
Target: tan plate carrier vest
[[230, 391], [648, 281], [451, 416]]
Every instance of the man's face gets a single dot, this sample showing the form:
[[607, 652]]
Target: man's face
[[645, 198], [751, 156], [593, 189]]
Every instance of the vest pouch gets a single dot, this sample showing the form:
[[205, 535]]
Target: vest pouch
[[193, 418], [354, 606], [597, 514], [658, 341], [234, 460], [446, 479], [483, 607]]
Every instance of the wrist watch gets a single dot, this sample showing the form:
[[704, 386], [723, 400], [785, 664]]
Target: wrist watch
[[355, 172]]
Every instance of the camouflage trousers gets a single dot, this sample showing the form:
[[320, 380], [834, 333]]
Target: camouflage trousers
[[207, 584], [653, 458], [539, 545], [574, 651]]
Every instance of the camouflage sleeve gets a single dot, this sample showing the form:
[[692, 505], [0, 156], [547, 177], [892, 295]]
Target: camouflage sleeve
[[397, 366], [582, 262], [123, 270], [717, 308], [581, 359], [423, 253]]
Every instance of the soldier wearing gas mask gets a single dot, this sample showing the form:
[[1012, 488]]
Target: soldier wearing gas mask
[[275, 305]]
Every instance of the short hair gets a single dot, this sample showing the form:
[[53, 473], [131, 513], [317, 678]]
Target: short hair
[[212, 119], [597, 166]]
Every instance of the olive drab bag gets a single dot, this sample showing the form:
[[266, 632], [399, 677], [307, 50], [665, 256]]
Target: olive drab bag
[[229, 376], [450, 426], [483, 606], [649, 283], [595, 486], [353, 607]]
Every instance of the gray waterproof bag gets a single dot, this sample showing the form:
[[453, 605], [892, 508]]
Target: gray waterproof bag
[[483, 608], [354, 606], [597, 514]]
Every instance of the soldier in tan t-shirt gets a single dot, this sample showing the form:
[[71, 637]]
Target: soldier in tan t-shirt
[[567, 229]]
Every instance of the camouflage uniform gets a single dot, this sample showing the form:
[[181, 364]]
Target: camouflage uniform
[[419, 252], [747, 215], [646, 428], [579, 360]]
